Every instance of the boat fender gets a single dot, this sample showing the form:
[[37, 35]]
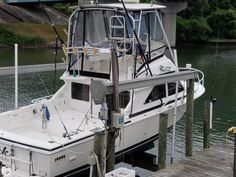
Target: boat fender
[[45, 112]]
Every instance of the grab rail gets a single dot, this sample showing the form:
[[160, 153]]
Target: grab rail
[[200, 79], [41, 98]]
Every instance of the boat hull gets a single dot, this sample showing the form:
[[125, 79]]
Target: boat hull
[[73, 158]]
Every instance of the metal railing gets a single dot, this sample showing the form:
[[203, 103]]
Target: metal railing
[[200, 79], [37, 100]]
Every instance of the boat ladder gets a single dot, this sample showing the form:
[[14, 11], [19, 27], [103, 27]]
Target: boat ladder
[[29, 162], [118, 33]]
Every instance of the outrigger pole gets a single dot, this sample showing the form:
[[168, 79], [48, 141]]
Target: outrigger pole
[[136, 37]]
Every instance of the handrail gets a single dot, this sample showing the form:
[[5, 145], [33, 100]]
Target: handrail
[[41, 98], [200, 79]]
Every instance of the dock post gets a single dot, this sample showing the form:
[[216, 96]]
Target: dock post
[[99, 150], [1, 175], [111, 137], [189, 118], [206, 126], [163, 120], [234, 170]]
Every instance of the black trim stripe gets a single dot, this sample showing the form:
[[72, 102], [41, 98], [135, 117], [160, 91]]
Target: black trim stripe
[[153, 108], [81, 171], [125, 151], [94, 74], [128, 150], [44, 149]]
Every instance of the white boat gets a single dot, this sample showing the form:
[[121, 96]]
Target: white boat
[[32, 143]]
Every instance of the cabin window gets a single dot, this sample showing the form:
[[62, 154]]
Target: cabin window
[[171, 88], [124, 99], [158, 92], [80, 91]]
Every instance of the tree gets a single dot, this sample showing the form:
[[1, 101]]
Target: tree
[[223, 21], [195, 8], [195, 29]]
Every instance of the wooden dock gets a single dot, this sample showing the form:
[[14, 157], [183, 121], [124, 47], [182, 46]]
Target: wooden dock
[[217, 161]]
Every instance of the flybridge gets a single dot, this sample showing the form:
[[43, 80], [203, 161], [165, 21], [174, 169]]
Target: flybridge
[[29, 1]]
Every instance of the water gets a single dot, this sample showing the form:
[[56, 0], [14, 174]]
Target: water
[[219, 67], [28, 56], [30, 87]]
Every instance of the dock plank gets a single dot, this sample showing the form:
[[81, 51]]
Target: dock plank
[[217, 161]]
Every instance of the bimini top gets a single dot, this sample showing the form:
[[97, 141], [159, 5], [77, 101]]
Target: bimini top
[[129, 6]]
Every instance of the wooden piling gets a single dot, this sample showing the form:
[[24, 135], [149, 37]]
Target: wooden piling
[[162, 140], [1, 175], [206, 125], [189, 118], [99, 150], [110, 150], [234, 169]]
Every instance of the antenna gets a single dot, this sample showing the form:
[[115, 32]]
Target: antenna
[[43, 10], [152, 2], [144, 58]]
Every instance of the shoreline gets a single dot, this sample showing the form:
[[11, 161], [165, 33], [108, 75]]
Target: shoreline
[[46, 46], [209, 42], [226, 41], [31, 68]]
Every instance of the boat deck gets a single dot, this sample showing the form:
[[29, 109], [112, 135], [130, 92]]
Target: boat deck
[[52, 136]]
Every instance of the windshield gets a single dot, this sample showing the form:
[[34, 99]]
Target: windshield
[[90, 28], [150, 26]]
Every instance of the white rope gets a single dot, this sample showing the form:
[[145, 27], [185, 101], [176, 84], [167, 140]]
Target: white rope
[[97, 164]]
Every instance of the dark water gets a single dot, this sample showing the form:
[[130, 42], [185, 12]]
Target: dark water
[[28, 56], [218, 65]]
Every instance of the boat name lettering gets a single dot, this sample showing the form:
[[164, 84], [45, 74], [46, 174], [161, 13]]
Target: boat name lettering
[[4, 151], [165, 68]]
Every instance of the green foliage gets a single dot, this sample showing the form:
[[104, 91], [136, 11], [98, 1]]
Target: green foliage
[[217, 16], [64, 8], [195, 29], [222, 4], [223, 21], [195, 8], [10, 38]]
